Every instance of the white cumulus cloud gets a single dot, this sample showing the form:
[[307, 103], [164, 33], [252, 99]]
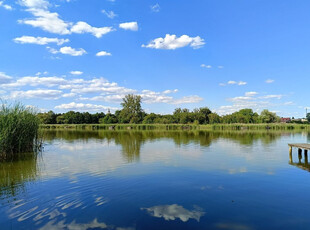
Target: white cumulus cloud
[[103, 53], [4, 78], [250, 100], [251, 94], [76, 72], [206, 66], [36, 4], [37, 93], [242, 83], [5, 6], [35, 81], [68, 51], [129, 26], [269, 81], [40, 40], [234, 83], [53, 23], [83, 27], [85, 107], [69, 95], [151, 97], [187, 100], [172, 42], [47, 21], [95, 89], [272, 97]]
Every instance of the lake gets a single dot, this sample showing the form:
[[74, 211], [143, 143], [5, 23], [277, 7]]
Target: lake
[[127, 180]]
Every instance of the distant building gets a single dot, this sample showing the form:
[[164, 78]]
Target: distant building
[[285, 119], [299, 120]]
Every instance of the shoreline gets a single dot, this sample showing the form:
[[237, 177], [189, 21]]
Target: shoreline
[[185, 127]]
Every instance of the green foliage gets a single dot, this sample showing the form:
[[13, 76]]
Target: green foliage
[[132, 111], [70, 117], [214, 118], [203, 114], [245, 116], [308, 117], [60, 119], [151, 118], [198, 116], [108, 119], [47, 118], [18, 131], [268, 117]]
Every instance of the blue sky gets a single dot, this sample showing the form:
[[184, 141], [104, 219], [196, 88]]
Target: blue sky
[[85, 55]]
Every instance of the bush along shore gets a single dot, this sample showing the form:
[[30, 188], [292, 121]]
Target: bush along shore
[[19, 132]]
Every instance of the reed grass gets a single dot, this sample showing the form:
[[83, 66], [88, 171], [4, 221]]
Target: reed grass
[[19, 131]]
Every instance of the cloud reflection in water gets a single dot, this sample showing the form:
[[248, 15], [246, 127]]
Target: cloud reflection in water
[[174, 211], [53, 225]]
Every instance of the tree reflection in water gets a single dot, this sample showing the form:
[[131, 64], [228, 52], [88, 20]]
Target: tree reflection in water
[[131, 141], [14, 175]]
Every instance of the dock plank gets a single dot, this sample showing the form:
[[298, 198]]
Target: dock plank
[[300, 146]]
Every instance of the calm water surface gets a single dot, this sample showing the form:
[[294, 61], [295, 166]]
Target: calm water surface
[[130, 180]]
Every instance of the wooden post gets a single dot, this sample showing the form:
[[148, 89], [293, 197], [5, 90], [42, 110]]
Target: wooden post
[[299, 155], [291, 155]]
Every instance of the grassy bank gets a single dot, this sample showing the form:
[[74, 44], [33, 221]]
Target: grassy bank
[[19, 127], [276, 126]]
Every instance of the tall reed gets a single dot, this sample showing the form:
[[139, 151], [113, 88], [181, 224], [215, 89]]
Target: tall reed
[[19, 133]]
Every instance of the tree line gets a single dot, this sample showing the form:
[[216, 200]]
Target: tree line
[[133, 113]]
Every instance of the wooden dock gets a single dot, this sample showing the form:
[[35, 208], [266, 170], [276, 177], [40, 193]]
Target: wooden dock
[[300, 147]]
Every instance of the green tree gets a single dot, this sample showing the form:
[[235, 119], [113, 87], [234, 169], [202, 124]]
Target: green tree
[[70, 117], [268, 117], [108, 119], [227, 119], [47, 118], [87, 118], [96, 117], [205, 111], [60, 119], [308, 117], [244, 116], [132, 111], [177, 114], [150, 118], [214, 118]]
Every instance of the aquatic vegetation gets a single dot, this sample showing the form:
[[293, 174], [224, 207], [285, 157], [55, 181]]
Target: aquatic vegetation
[[19, 131]]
